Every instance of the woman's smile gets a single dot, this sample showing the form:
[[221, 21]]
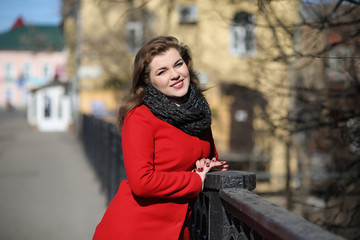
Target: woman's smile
[[178, 84]]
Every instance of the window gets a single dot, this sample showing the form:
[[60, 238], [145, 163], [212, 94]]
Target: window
[[187, 15], [242, 37], [134, 36], [9, 72], [337, 63], [47, 109], [46, 71], [27, 71]]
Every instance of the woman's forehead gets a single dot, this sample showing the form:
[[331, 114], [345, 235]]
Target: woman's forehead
[[171, 54]]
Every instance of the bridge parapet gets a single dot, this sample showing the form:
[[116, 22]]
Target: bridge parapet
[[228, 210]]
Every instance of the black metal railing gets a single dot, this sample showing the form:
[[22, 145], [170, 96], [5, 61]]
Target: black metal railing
[[102, 145], [228, 210], [225, 210]]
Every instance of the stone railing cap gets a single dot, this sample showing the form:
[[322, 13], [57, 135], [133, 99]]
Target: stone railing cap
[[230, 179]]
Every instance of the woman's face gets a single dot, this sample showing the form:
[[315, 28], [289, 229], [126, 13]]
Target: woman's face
[[169, 74]]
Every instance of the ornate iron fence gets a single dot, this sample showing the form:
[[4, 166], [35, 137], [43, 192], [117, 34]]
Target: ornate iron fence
[[225, 210]]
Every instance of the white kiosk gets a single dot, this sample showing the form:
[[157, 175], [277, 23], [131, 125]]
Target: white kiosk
[[49, 107]]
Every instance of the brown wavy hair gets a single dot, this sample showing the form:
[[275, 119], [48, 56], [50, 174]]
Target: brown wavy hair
[[141, 71]]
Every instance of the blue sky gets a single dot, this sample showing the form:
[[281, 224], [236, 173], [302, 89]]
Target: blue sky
[[32, 12]]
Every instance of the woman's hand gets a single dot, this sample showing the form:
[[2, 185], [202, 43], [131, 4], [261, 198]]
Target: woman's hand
[[205, 165]]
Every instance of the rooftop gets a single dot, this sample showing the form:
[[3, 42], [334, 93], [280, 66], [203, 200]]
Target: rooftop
[[33, 38]]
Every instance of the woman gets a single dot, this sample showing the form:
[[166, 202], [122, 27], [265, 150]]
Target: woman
[[167, 147]]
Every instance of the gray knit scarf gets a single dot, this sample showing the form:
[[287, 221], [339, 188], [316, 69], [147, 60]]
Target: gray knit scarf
[[192, 117]]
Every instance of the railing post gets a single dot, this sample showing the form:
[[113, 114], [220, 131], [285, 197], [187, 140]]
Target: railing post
[[218, 223]]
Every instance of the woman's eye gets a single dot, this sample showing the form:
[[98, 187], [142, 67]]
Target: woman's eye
[[179, 64], [160, 73]]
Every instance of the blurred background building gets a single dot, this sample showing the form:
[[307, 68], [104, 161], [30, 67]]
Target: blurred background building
[[32, 56]]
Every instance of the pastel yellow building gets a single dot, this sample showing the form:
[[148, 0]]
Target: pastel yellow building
[[240, 50]]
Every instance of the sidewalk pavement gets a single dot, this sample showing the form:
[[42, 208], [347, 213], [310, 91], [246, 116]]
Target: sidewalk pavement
[[48, 190]]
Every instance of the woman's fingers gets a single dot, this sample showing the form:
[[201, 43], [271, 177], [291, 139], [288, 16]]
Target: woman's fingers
[[200, 164], [209, 165], [217, 163], [219, 166], [197, 165], [205, 165], [207, 162]]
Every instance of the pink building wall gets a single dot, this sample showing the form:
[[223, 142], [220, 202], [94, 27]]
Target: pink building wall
[[14, 64]]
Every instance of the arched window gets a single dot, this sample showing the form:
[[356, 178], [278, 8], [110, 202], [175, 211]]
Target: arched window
[[242, 38]]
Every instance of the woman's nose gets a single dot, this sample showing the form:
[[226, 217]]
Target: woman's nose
[[174, 74]]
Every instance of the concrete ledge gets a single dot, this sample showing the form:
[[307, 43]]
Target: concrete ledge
[[230, 179]]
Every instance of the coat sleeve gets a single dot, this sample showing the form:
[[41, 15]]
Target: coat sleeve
[[138, 151]]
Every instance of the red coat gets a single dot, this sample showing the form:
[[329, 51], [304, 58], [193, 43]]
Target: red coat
[[154, 203]]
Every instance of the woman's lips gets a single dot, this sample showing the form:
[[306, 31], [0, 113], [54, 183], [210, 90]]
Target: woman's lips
[[178, 84]]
